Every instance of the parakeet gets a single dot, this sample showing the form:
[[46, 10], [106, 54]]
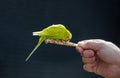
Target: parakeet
[[53, 32]]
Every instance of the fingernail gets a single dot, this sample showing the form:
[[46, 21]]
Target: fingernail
[[80, 43], [79, 49]]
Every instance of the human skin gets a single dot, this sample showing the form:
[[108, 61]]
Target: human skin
[[101, 57]]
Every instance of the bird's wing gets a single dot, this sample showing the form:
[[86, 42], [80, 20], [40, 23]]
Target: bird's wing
[[53, 31]]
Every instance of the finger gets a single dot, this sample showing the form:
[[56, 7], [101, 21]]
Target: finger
[[87, 68], [90, 67], [80, 50], [89, 60], [88, 53], [94, 44]]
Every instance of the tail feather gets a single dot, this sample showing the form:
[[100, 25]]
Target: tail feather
[[39, 43]]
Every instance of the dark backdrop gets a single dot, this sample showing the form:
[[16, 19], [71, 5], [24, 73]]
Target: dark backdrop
[[86, 19]]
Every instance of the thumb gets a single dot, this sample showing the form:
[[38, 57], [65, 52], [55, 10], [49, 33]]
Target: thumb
[[94, 44]]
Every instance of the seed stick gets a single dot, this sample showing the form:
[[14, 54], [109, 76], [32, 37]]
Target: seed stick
[[61, 42]]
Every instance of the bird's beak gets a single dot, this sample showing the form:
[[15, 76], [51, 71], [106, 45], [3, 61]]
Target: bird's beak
[[36, 33]]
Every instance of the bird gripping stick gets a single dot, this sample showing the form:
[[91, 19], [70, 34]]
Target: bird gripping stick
[[54, 34]]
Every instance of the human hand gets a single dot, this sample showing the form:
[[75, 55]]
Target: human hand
[[101, 57]]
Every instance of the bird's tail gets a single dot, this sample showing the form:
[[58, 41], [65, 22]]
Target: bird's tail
[[39, 43]]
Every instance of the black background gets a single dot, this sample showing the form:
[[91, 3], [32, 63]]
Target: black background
[[86, 19]]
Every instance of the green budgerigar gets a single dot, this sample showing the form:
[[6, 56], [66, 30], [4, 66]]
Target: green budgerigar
[[53, 32]]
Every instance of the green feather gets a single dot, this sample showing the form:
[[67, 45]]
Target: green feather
[[39, 43]]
